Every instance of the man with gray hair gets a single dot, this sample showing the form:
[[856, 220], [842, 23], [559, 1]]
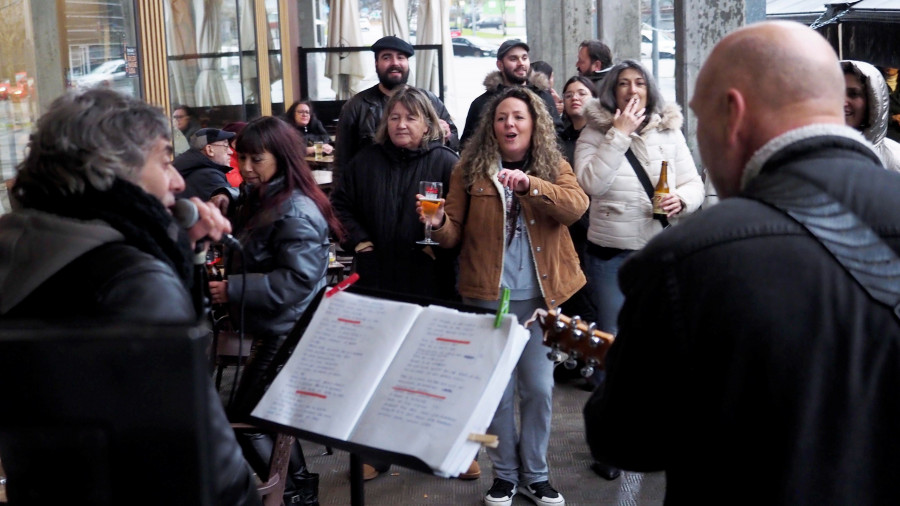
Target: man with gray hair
[[758, 343], [91, 237], [204, 166]]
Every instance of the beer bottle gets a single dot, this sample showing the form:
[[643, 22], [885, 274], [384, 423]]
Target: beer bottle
[[661, 190]]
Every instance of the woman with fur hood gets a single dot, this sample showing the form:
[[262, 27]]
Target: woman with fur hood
[[866, 108], [629, 115], [512, 197]]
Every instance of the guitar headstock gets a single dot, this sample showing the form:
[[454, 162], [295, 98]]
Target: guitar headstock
[[581, 341]]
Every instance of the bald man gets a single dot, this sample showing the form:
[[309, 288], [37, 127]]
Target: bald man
[[750, 365]]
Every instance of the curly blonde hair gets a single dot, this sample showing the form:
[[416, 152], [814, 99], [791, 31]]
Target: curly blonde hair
[[480, 155]]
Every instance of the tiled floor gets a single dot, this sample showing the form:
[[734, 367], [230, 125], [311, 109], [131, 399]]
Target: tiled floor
[[569, 473]]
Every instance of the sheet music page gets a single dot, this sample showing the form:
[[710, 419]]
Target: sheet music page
[[435, 383], [338, 363]]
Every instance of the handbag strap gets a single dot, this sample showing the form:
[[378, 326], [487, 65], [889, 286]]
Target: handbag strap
[[645, 182], [855, 246]]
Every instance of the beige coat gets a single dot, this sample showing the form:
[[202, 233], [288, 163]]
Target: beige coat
[[621, 213]]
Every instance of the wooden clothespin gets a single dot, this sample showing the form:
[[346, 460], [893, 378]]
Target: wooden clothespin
[[489, 440]]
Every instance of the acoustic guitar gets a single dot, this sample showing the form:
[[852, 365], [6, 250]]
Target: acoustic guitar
[[572, 341]]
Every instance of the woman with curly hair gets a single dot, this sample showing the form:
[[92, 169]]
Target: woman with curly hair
[[512, 197]]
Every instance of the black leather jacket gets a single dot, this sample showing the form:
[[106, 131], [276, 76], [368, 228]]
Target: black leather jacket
[[286, 258], [361, 115]]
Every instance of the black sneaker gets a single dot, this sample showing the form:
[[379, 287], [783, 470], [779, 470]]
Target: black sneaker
[[543, 494], [500, 494]]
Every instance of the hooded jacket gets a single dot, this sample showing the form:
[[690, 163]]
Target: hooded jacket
[[621, 212], [202, 176], [878, 103], [493, 83]]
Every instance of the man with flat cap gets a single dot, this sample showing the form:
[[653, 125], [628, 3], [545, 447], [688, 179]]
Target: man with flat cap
[[361, 115], [513, 69], [204, 166], [758, 353]]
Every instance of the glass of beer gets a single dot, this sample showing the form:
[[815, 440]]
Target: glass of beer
[[431, 200], [318, 147]]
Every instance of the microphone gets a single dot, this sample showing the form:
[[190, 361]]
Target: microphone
[[186, 216]]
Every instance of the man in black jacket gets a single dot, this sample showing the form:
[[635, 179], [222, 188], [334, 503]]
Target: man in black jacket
[[204, 166], [747, 353], [513, 69], [594, 60], [92, 238], [361, 115]]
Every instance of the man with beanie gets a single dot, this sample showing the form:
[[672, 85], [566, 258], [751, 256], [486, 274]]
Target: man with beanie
[[513, 69], [361, 114]]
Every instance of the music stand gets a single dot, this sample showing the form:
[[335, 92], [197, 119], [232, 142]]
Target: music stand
[[357, 451]]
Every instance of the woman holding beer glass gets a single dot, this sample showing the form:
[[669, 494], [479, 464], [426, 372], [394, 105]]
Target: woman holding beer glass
[[302, 116], [375, 200], [283, 221], [511, 199]]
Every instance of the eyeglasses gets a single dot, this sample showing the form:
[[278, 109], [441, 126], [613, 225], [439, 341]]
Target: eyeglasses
[[225, 145], [580, 94], [303, 113], [179, 116]]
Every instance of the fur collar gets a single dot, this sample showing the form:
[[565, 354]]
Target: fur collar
[[600, 119], [494, 80]]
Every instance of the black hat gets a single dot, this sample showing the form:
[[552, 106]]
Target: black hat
[[204, 136], [395, 43], [509, 44]]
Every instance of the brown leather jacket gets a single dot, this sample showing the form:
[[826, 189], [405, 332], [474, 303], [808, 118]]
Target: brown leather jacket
[[475, 216]]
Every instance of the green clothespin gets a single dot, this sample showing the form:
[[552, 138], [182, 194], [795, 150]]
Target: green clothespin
[[503, 308]]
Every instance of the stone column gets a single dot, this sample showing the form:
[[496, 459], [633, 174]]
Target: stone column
[[619, 27], [555, 28], [699, 25]]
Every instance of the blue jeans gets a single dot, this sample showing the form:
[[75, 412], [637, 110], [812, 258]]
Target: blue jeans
[[607, 297], [521, 457]]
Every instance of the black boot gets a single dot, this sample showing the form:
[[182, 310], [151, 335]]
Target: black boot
[[302, 486], [305, 491]]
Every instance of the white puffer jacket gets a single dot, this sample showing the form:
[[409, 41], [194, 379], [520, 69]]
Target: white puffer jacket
[[621, 213], [878, 101]]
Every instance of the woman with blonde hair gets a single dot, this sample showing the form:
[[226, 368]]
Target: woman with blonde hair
[[512, 197]]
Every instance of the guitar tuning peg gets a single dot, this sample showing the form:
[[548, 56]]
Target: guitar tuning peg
[[574, 321], [587, 371], [554, 355], [594, 341], [559, 327], [592, 327], [577, 334], [570, 363]]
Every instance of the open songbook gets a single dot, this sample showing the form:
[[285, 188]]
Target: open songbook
[[398, 377]]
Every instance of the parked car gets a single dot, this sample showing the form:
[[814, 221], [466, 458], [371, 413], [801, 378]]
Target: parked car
[[455, 33], [108, 73], [4, 89], [465, 47], [489, 22], [666, 44]]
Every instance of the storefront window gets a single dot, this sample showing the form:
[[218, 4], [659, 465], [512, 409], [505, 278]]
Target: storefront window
[[101, 45], [212, 59], [18, 108]]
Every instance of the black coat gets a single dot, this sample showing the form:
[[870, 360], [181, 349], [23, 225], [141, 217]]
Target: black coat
[[314, 132], [376, 202], [202, 176], [105, 257], [359, 121], [748, 356]]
